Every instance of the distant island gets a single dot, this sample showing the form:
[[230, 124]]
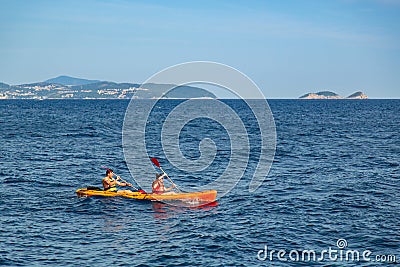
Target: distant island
[[332, 95], [65, 87]]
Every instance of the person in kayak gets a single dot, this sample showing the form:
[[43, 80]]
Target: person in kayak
[[158, 186], [110, 184]]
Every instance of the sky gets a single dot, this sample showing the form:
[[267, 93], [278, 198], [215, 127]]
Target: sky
[[288, 48]]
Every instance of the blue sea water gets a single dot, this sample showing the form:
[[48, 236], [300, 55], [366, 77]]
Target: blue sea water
[[335, 176]]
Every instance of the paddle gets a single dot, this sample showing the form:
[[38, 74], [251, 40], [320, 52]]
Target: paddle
[[121, 179], [155, 161]]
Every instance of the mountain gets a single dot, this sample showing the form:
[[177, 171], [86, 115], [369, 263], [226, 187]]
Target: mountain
[[357, 95], [4, 86], [61, 88], [67, 80], [173, 91], [321, 95], [189, 92], [98, 85], [332, 95]]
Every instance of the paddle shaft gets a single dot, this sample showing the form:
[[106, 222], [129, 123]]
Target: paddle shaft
[[169, 178], [125, 182], [155, 161]]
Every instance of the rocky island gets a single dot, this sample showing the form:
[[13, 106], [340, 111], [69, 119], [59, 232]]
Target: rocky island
[[332, 95]]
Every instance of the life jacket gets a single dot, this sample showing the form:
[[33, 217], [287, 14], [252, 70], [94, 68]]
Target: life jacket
[[112, 188]]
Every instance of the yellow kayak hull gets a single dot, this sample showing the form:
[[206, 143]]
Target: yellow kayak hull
[[204, 196]]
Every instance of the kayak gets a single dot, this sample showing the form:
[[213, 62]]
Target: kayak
[[204, 196]]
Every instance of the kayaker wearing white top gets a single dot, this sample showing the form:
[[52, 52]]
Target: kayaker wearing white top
[[158, 185]]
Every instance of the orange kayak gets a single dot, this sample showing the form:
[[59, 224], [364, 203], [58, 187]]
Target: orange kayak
[[204, 196]]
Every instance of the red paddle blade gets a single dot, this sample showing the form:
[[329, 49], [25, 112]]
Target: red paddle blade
[[155, 161]]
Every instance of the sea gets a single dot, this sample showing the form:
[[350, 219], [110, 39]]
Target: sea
[[330, 198]]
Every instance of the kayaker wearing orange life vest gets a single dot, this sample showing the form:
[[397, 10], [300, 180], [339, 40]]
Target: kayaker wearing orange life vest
[[158, 185], [110, 184]]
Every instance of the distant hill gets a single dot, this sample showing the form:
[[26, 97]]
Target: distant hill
[[332, 95], [321, 95], [4, 85], [38, 84], [357, 95], [98, 85], [63, 87], [173, 91], [189, 92], [3, 88], [67, 80]]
